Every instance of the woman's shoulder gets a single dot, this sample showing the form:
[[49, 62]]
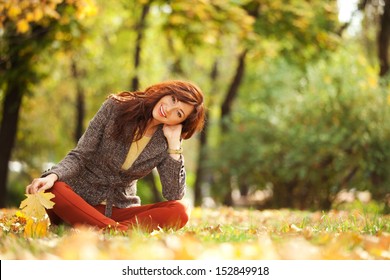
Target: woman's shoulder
[[109, 105], [106, 111], [109, 101]]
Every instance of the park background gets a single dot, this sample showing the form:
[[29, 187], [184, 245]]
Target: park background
[[297, 95]]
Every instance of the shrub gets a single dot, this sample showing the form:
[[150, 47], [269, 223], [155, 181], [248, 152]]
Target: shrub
[[328, 133]]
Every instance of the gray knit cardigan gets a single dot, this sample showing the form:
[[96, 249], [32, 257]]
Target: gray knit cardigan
[[93, 169]]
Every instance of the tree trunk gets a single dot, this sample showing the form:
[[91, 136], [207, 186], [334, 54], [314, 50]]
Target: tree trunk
[[233, 90], [80, 102], [176, 65], [384, 39], [18, 73], [9, 123], [16, 64], [202, 158], [140, 28], [226, 109], [201, 169]]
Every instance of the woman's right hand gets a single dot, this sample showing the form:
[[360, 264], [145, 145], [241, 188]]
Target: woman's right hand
[[41, 184]]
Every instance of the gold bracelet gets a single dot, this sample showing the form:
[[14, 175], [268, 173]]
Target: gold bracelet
[[173, 151]]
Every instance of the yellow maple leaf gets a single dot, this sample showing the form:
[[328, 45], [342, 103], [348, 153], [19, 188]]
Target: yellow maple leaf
[[34, 205]]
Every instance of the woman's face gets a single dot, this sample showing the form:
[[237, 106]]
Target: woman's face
[[169, 110]]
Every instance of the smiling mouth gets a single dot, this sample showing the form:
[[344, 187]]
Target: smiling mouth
[[162, 112]]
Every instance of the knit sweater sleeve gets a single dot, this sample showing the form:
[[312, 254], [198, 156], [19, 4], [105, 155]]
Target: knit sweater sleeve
[[173, 178], [86, 146]]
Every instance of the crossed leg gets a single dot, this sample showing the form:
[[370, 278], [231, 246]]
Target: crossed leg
[[70, 208]]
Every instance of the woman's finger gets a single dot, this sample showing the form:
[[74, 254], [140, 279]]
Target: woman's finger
[[28, 188], [34, 186]]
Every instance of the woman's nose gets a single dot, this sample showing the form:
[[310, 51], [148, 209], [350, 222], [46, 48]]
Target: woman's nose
[[171, 108]]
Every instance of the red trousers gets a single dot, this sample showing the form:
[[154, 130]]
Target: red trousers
[[70, 208]]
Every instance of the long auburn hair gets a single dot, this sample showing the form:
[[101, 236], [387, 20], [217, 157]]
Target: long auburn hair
[[136, 107]]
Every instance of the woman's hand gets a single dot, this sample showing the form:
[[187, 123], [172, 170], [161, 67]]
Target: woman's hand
[[41, 184], [173, 135]]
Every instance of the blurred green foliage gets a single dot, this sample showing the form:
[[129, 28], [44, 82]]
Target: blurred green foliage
[[371, 207], [310, 134]]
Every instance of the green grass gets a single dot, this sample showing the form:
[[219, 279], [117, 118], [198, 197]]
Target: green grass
[[223, 233]]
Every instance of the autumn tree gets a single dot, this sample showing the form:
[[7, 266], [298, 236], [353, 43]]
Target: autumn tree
[[376, 29], [27, 30]]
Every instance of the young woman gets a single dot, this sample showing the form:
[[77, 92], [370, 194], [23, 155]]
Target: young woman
[[131, 134]]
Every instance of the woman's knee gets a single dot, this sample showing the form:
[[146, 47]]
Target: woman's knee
[[181, 210], [64, 196]]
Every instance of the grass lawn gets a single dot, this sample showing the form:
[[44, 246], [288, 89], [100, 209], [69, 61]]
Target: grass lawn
[[221, 233]]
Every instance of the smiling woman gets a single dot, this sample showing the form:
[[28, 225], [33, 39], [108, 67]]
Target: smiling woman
[[131, 134]]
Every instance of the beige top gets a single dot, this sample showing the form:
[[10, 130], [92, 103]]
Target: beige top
[[135, 150]]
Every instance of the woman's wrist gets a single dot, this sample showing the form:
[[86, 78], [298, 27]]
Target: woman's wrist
[[174, 144], [175, 149], [53, 177]]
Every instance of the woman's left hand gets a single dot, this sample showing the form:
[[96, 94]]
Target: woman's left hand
[[173, 135]]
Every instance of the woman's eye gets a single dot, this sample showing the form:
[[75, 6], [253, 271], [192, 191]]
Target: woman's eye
[[179, 114], [173, 99]]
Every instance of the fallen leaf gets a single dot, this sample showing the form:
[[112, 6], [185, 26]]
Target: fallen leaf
[[213, 229], [34, 205]]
